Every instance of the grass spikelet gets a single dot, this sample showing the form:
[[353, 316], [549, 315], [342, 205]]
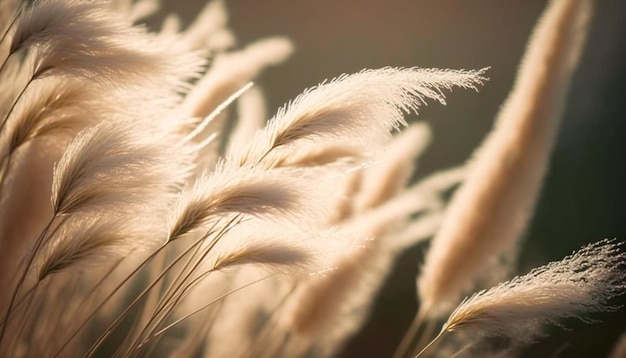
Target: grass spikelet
[[264, 254], [83, 38], [54, 106], [87, 242], [231, 190], [360, 108], [417, 231], [322, 155], [114, 163], [280, 255], [325, 310], [581, 283], [421, 198]]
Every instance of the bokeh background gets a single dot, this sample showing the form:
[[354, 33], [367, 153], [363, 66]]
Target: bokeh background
[[584, 196]]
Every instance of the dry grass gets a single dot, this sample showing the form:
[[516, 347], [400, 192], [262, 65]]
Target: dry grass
[[137, 221]]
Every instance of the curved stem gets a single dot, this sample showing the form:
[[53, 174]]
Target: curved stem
[[5, 62], [15, 17], [425, 336], [17, 99], [119, 319], [20, 283], [409, 336], [269, 329], [202, 308], [117, 288], [4, 173], [24, 297], [124, 281], [27, 317], [171, 292], [208, 119], [431, 343], [6, 32]]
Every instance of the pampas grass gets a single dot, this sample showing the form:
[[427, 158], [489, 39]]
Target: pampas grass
[[137, 220], [506, 172], [581, 283], [361, 109], [545, 294]]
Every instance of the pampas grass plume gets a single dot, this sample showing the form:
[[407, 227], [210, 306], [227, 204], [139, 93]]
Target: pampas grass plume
[[489, 213], [581, 283]]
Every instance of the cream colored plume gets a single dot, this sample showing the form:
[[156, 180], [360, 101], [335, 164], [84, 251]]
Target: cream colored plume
[[360, 109], [489, 213], [580, 283]]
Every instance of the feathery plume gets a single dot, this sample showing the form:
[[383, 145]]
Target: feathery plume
[[489, 212], [231, 190], [55, 106], [230, 71], [360, 108], [393, 168], [83, 38], [315, 304], [581, 283], [89, 241], [209, 29], [136, 10], [271, 254], [421, 198], [296, 253], [116, 162]]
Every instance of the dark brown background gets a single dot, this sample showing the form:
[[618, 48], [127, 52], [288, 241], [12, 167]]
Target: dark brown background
[[584, 195]]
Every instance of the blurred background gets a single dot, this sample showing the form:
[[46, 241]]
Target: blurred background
[[584, 193]]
